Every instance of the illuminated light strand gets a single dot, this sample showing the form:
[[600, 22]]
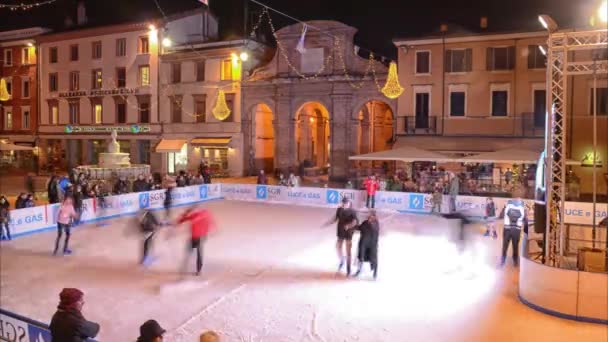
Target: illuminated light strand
[[26, 7], [221, 110]]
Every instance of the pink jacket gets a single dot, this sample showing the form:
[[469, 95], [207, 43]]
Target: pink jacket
[[65, 213]]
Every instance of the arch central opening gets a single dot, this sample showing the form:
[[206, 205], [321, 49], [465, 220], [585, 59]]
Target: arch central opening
[[313, 134]]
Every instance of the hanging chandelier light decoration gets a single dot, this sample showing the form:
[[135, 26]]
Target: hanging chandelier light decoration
[[392, 89], [221, 110], [4, 95]]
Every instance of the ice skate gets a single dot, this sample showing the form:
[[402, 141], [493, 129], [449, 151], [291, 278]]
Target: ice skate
[[67, 251], [494, 235], [487, 233]]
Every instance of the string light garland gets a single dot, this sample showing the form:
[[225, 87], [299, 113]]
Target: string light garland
[[26, 7], [392, 89], [221, 110]]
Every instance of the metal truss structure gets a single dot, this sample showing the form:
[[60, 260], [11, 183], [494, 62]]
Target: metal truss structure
[[561, 49]]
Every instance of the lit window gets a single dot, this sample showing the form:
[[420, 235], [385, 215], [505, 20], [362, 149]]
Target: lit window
[[25, 122], [8, 118], [144, 45], [97, 79], [144, 75], [25, 88], [8, 57], [97, 111], [25, 56], [226, 72], [54, 114]]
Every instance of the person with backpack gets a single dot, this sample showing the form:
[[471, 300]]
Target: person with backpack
[[149, 225], [514, 214]]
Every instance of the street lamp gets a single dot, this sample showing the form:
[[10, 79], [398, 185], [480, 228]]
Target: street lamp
[[602, 12], [167, 42], [244, 56], [547, 22]]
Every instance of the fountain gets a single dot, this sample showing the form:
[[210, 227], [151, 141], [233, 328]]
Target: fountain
[[114, 164]]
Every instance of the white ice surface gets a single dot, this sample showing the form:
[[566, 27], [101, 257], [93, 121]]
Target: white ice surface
[[270, 275]]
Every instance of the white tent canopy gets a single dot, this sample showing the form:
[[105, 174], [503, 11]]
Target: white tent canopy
[[406, 154], [13, 147]]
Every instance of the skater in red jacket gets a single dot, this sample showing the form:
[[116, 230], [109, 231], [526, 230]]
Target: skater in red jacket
[[201, 222]]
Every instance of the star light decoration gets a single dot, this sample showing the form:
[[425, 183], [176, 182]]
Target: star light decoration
[[221, 110], [392, 89]]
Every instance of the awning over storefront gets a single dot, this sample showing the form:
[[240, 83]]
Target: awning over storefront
[[216, 142], [406, 154], [13, 147], [170, 145]]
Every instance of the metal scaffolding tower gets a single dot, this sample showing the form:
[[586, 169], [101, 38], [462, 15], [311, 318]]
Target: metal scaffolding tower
[[561, 63]]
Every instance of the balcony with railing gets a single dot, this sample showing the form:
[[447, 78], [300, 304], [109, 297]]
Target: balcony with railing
[[421, 125], [532, 125]]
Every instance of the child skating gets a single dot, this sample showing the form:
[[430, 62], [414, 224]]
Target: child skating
[[65, 216]]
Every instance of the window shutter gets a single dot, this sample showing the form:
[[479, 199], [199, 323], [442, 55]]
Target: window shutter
[[489, 56], [448, 61], [511, 57], [531, 55], [468, 59]]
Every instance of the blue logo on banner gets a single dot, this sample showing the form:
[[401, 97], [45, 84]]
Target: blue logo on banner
[[332, 197], [261, 192], [202, 190], [144, 200], [38, 334], [416, 202]]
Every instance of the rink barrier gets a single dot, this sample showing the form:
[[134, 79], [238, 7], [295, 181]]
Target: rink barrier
[[17, 328], [562, 315], [43, 218]]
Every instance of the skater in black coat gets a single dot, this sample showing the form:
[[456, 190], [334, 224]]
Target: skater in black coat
[[149, 224], [68, 324], [347, 220], [368, 243]]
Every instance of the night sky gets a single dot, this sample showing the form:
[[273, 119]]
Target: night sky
[[378, 21]]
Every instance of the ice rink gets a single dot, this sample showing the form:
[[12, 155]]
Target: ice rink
[[270, 275]]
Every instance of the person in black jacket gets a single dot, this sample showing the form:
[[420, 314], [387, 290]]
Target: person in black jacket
[[149, 224], [5, 218], [151, 331], [347, 219], [78, 202], [52, 190], [368, 243], [168, 202], [29, 201], [68, 324], [140, 184]]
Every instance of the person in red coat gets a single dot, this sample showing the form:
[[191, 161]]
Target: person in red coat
[[371, 186], [201, 222]]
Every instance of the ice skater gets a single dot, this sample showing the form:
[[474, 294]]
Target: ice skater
[[201, 222], [168, 202], [490, 218], [347, 220], [368, 243], [149, 225], [65, 216], [5, 218], [514, 215]]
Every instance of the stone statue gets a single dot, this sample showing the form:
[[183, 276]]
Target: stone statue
[[114, 146]]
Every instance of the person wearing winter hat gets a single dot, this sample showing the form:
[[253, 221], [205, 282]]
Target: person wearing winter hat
[[210, 336], [151, 331], [68, 323]]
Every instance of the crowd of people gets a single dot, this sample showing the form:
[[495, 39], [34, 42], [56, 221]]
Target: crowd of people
[[291, 181]]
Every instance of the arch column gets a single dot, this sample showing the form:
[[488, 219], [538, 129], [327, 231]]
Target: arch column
[[340, 130], [284, 128]]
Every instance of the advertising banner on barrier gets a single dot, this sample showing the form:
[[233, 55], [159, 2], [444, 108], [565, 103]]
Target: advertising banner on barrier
[[24, 220], [15, 328], [391, 200], [334, 197], [239, 192], [421, 203], [306, 196], [581, 213]]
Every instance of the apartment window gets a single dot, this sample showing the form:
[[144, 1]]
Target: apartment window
[[176, 72], [176, 110], [96, 47], [500, 101], [121, 112], [74, 80], [53, 82], [423, 62], [74, 108], [74, 52], [144, 45], [200, 105], [457, 103], [601, 101], [459, 60], [25, 88], [121, 47], [25, 56], [144, 112], [200, 70], [25, 118], [8, 57], [230, 103], [144, 75], [8, 118], [226, 72], [97, 112], [54, 113], [97, 78], [9, 86], [121, 77], [500, 58], [53, 55], [536, 59]]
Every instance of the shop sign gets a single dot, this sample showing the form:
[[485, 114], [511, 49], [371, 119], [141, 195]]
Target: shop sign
[[99, 92], [107, 129]]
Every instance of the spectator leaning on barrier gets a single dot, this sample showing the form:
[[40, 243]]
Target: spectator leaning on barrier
[[140, 184], [68, 323], [5, 218], [371, 186], [151, 331], [262, 180]]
